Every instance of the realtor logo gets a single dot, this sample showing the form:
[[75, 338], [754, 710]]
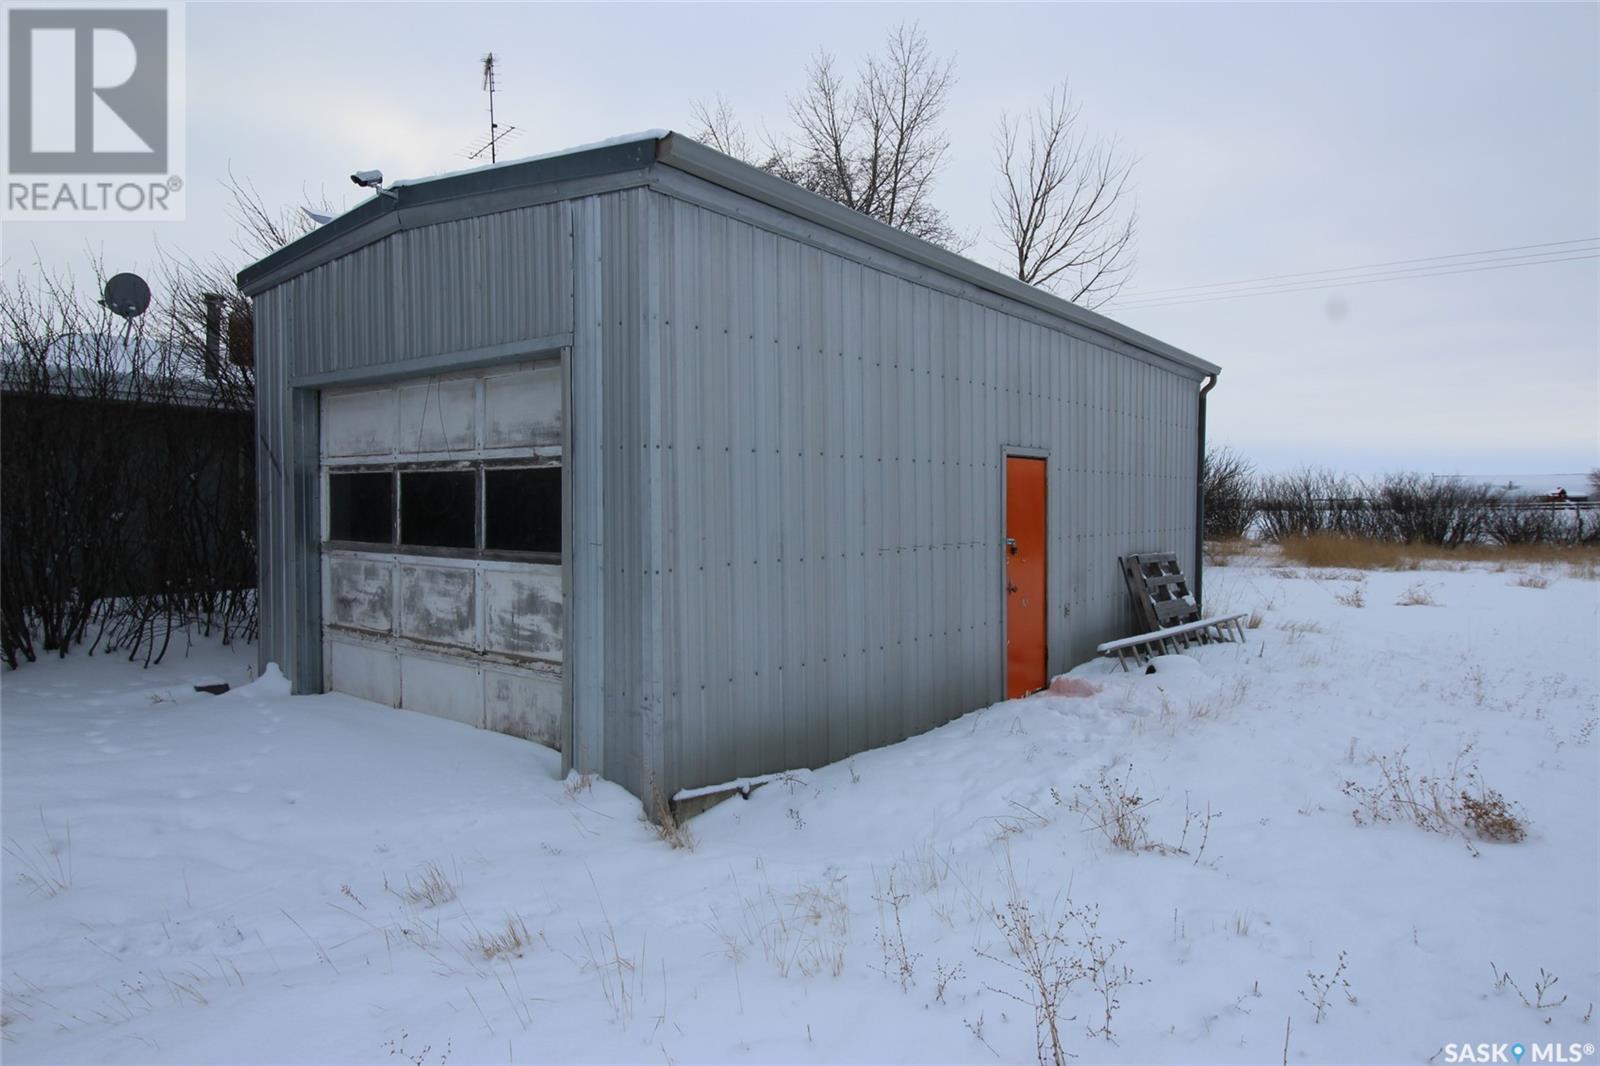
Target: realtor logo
[[93, 115]]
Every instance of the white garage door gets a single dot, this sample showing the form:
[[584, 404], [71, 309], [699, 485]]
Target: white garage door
[[441, 553]]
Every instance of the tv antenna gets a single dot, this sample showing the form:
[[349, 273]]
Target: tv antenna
[[496, 134]]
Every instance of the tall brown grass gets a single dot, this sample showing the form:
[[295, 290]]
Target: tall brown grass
[[1363, 553]]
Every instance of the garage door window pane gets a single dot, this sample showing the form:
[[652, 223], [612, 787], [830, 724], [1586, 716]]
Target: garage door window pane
[[438, 508], [522, 510], [361, 507]]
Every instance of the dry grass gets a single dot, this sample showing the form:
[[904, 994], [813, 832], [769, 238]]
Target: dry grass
[[672, 830], [1531, 581], [1297, 630], [1361, 553], [1353, 597], [431, 887], [805, 932], [1491, 816], [45, 868], [1416, 595], [1455, 800], [511, 939], [1224, 552]]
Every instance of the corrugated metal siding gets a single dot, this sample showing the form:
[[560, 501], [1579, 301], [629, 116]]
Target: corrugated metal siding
[[460, 285], [834, 438], [786, 469], [614, 534], [273, 543], [454, 287]]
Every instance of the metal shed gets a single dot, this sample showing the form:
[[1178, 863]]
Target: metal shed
[[648, 455]]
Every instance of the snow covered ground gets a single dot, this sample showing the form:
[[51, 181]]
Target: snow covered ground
[[260, 878]]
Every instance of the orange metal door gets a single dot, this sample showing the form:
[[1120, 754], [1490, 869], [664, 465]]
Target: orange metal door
[[1025, 554]]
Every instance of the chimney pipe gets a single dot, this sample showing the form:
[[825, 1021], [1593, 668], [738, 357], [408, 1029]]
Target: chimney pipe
[[213, 354]]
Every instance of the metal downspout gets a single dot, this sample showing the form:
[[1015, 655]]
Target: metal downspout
[[1200, 499]]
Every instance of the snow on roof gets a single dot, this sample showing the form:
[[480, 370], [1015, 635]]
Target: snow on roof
[[609, 142]]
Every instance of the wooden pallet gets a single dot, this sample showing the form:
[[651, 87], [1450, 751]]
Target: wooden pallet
[[1160, 591]]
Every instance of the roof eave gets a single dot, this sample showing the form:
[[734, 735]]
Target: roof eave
[[385, 214]]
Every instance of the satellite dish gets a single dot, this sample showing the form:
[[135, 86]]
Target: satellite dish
[[126, 295]]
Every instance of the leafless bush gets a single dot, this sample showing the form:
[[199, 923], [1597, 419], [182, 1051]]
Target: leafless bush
[[1421, 509], [1051, 949], [1115, 807], [1309, 502], [1409, 509], [1323, 984], [1228, 488], [128, 478], [1421, 799], [1041, 953], [1525, 521], [943, 977], [1543, 996], [1454, 801], [899, 961]]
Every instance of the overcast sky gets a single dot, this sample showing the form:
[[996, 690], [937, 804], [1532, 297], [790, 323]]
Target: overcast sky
[[1271, 140]]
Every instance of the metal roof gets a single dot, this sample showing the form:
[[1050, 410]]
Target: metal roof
[[573, 173]]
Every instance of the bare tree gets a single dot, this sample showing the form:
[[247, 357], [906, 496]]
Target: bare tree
[[1063, 204], [873, 143], [261, 230], [718, 126]]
